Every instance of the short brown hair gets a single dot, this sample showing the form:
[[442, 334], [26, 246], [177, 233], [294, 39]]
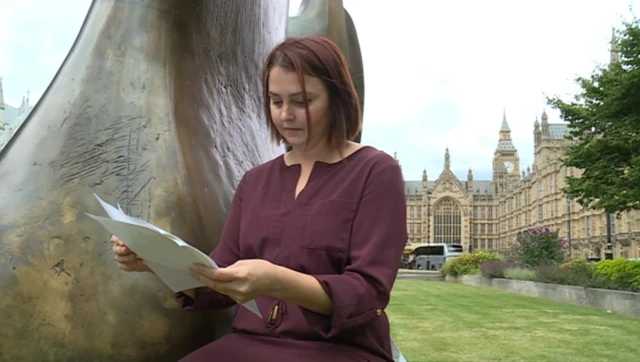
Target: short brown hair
[[321, 58]]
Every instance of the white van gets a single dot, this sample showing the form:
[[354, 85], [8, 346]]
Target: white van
[[433, 256]]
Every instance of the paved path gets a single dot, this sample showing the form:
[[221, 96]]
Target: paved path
[[420, 274]]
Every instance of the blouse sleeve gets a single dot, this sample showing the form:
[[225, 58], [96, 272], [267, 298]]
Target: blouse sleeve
[[378, 238], [226, 253]]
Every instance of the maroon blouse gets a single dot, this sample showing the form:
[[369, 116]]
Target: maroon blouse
[[347, 228]]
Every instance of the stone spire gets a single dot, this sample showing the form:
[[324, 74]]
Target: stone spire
[[614, 52], [24, 106], [2, 119], [505, 125], [545, 124], [537, 133], [1, 97], [447, 159], [395, 157], [504, 142]]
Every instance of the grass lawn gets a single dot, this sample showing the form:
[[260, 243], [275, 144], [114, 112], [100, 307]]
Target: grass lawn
[[438, 321]]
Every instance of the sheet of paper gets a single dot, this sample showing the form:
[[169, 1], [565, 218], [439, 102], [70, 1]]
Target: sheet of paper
[[168, 256], [177, 280], [118, 214], [153, 246]]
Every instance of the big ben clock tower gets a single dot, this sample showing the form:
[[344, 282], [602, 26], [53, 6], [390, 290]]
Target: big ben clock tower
[[506, 163]]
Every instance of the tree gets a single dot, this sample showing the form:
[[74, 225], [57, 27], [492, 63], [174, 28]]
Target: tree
[[540, 246], [604, 126]]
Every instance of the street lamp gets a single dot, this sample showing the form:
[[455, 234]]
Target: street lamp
[[569, 224], [608, 254], [428, 217]]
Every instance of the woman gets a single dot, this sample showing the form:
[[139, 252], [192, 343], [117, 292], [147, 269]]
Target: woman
[[315, 235]]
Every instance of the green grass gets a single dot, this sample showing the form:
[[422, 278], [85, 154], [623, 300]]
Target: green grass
[[438, 321]]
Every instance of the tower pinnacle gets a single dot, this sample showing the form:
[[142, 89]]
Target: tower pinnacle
[[1, 98], [505, 125], [614, 55], [447, 159]]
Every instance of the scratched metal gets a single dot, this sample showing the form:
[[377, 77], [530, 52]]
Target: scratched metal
[[329, 18], [156, 107]]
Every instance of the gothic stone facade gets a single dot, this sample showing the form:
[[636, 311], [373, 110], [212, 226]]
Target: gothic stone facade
[[11, 118], [488, 214]]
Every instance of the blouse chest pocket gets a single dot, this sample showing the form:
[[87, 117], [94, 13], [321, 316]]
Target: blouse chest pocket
[[328, 227]]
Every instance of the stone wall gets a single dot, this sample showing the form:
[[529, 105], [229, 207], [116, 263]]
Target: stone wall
[[619, 302]]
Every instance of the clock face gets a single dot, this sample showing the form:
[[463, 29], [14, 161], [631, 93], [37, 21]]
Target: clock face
[[509, 166]]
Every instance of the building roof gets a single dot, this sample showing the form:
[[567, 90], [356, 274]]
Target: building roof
[[13, 117], [558, 131], [480, 187]]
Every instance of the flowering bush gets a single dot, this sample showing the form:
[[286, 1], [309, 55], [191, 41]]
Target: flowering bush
[[496, 268], [468, 263], [539, 246]]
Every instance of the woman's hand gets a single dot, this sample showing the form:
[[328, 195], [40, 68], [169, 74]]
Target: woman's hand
[[243, 281], [127, 260]]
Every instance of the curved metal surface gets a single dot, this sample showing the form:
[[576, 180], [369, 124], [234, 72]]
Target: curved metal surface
[[156, 107], [329, 18]]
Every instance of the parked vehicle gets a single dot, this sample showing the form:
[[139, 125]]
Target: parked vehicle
[[433, 256]]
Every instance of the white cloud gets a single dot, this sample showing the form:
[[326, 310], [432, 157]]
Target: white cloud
[[35, 37], [482, 57], [437, 73]]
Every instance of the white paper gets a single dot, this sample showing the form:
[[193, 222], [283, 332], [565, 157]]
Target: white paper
[[168, 256]]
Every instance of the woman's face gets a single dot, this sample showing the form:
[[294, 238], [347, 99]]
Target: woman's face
[[288, 107]]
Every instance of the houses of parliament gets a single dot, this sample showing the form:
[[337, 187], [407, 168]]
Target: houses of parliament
[[488, 214]]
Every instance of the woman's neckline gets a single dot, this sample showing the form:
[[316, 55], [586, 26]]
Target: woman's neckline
[[325, 163]]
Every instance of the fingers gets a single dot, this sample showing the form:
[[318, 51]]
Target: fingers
[[223, 282], [135, 266], [202, 270], [118, 247], [207, 276], [118, 243], [228, 289], [126, 258], [222, 275], [202, 278], [121, 250]]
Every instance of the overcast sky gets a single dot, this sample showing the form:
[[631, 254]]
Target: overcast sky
[[438, 73]]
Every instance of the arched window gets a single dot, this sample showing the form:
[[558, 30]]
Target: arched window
[[448, 222]]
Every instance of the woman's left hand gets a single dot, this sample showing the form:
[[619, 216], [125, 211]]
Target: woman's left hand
[[243, 281]]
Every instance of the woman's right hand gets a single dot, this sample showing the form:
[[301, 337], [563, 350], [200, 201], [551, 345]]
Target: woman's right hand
[[127, 259]]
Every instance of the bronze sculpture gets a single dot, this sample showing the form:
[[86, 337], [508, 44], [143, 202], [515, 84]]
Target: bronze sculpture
[[156, 107], [329, 18]]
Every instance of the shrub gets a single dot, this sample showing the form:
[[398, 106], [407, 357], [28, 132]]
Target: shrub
[[577, 273], [468, 263], [556, 274], [539, 246], [577, 264], [496, 268], [520, 273], [623, 273]]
